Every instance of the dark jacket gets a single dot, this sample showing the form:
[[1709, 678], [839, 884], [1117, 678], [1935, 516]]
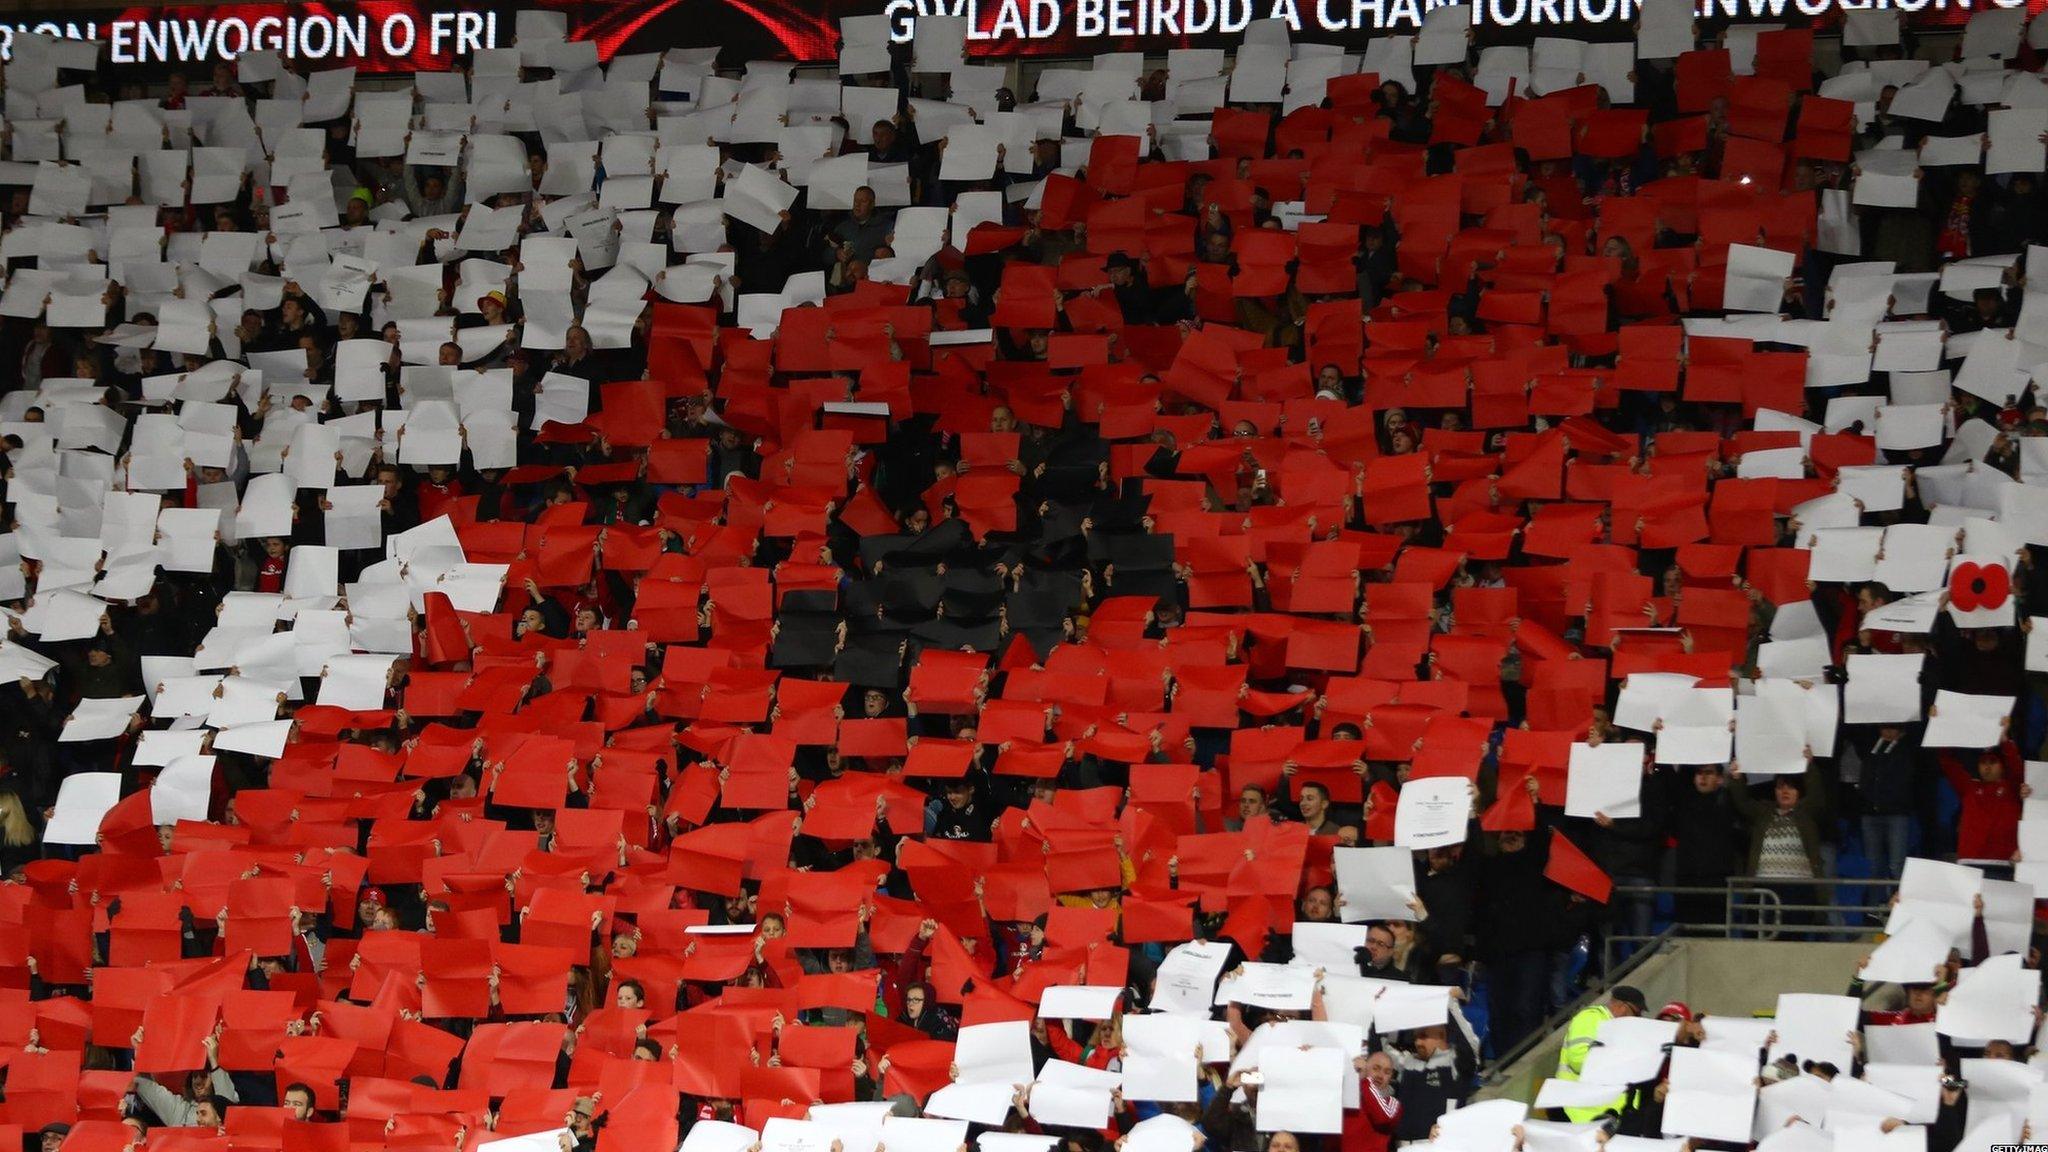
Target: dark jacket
[[1522, 911], [1711, 836], [1229, 1128], [1429, 1088], [1889, 767], [969, 823], [1449, 896], [1631, 846]]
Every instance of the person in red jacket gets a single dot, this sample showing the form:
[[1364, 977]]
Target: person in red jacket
[[271, 564], [1370, 1128], [1992, 796]]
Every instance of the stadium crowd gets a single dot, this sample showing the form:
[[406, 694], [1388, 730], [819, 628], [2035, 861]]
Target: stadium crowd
[[604, 605]]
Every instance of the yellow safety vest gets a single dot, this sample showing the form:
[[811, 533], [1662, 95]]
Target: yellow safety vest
[[1578, 1040]]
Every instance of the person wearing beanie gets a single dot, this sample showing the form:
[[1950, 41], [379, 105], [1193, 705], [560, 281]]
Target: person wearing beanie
[[355, 212]]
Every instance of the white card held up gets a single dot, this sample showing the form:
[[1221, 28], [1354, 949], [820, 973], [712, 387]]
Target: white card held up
[[970, 153], [1013, 1141], [266, 507], [2034, 829], [1910, 1093], [1883, 689], [1694, 744], [1159, 1057], [1894, 185], [1399, 1007], [1445, 33], [782, 1134], [1943, 151], [1908, 956], [1740, 1035], [262, 739], [1163, 1132], [757, 198], [922, 1134], [1628, 1050], [995, 1053], [1870, 29], [183, 790], [1898, 1044], [1940, 893], [1604, 779], [1993, 32], [83, 800], [1905, 427], [1275, 987], [1078, 1075], [1992, 1001], [1079, 1002], [1914, 557], [312, 572], [977, 1103], [2015, 140], [1186, 982], [2003, 1086], [1756, 278], [1329, 945], [2008, 915], [1646, 695], [1374, 883], [19, 662], [1580, 1093], [1433, 812], [1816, 1027], [833, 181], [1712, 1096], [355, 681], [99, 719], [1303, 1091], [1960, 720], [1483, 1124], [1666, 30], [64, 614], [1070, 1106], [719, 1136], [863, 44], [1780, 1103], [1771, 732], [939, 43]]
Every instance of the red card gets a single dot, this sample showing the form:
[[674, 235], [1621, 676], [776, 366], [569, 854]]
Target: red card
[[1572, 868]]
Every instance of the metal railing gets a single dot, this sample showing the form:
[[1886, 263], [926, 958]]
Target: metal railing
[[1758, 909], [1596, 987], [1751, 909], [1755, 909]]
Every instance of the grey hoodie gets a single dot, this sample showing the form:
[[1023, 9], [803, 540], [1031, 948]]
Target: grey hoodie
[[173, 1108]]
